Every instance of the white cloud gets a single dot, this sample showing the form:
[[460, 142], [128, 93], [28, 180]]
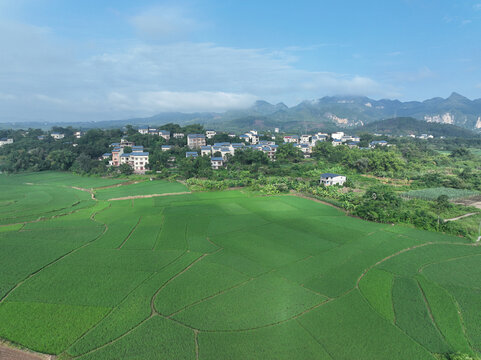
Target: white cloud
[[422, 73], [161, 22], [155, 101], [477, 6], [45, 79]]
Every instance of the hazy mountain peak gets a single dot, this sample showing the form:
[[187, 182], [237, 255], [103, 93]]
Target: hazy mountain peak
[[457, 97]]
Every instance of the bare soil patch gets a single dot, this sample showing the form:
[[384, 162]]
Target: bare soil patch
[[8, 353], [391, 181], [472, 201]]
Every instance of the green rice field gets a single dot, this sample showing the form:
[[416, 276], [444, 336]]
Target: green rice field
[[223, 275]]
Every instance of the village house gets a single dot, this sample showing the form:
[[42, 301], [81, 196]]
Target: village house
[[5, 141], [138, 160], [293, 139], [191, 154], [166, 147], [251, 137], [164, 134], [123, 143], [305, 148], [336, 142], [209, 134], [318, 138], [337, 135], [206, 150], [116, 154], [138, 148], [144, 130], [347, 138], [378, 143], [329, 179], [195, 141], [178, 135], [78, 134], [245, 138], [57, 136], [305, 139], [269, 150], [216, 162]]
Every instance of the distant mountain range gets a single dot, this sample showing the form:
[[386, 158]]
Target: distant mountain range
[[409, 126], [355, 111], [327, 113]]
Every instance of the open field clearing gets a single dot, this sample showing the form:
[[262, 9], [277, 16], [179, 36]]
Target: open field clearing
[[225, 275], [434, 193]]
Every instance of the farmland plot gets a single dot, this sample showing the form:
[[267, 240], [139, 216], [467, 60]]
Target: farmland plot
[[224, 275]]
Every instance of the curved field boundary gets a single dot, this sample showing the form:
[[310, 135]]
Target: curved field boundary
[[53, 262], [92, 195]]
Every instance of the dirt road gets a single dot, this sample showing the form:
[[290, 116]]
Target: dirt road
[[8, 353]]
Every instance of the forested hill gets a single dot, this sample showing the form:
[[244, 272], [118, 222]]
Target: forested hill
[[410, 126]]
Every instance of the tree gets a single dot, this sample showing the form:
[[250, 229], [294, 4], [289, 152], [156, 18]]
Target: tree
[[442, 202], [380, 204], [61, 159], [126, 169], [83, 164], [461, 153], [288, 153]]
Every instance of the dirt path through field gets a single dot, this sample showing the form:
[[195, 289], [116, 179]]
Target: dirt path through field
[[8, 353], [118, 185], [86, 190], [460, 217], [148, 196]]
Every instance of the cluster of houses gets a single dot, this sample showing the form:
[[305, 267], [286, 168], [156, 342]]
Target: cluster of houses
[[307, 142], [146, 130], [220, 151], [60, 136], [138, 159]]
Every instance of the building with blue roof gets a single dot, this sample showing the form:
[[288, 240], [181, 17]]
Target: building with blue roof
[[216, 162], [195, 141]]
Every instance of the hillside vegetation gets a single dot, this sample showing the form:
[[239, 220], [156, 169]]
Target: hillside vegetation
[[410, 126]]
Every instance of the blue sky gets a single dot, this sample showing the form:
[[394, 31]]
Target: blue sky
[[96, 60]]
